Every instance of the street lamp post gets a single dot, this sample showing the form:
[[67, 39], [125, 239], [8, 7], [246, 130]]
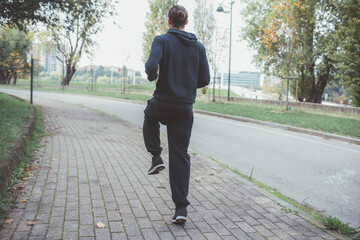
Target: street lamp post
[[221, 9]]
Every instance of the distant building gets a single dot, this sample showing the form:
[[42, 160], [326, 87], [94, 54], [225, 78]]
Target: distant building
[[48, 59], [109, 68], [241, 79]]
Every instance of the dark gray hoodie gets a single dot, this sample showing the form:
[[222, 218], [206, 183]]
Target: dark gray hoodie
[[183, 67]]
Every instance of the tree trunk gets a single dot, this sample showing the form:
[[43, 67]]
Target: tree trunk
[[8, 79], [2, 78], [203, 90], [15, 78], [214, 87], [70, 70], [302, 84], [317, 90]]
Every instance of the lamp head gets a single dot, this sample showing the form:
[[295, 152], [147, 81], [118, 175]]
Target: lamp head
[[220, 9]]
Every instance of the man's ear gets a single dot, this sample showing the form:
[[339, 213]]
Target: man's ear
[[187, 21], [169, 22]]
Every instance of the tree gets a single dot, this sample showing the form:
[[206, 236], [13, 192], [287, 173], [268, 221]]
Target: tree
[[204, 24], [156, 22], [348, 54], [76, 29], [322, 64], [19, 13], [14, 48], [215, 53], [293, 38]]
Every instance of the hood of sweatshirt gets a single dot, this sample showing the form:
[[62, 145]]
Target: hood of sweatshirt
[[185, 37]]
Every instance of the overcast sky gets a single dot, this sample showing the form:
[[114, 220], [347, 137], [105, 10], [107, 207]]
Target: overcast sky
[[123, 46]]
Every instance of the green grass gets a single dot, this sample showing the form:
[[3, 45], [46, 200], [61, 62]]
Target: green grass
[[223, 93], [321, 122], [13, 115], [335, 224], [8, 197]]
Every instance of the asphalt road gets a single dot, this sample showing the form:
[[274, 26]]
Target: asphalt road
[[324, 174]]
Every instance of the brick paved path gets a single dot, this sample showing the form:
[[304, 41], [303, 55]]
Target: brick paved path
[[93, 168]]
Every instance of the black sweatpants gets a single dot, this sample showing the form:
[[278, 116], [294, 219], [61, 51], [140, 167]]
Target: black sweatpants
[[179, 124]]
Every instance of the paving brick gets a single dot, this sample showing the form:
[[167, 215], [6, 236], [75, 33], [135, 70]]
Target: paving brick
[[144, 222], [204, 227], [133, 230], [212, 236], [256, 236], [39, 230], [116, 226], [166, 235], [263, 231], [244, 226], [70, 226], [70, 235], [149, 234], [87, 231], [18, 235]]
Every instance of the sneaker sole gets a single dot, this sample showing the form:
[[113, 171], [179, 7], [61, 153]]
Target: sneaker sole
[[156, 169], [179, 220]]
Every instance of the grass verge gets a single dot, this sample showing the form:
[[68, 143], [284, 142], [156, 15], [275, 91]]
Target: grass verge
[[299, 118], [330, 222], [9, 196], [13, 115]]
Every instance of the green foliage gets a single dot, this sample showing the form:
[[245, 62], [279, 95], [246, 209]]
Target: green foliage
[[290, 210], [14, 48], [19, 13], [13, 113], [348, 54], [156, 22], [204, 23], [324, 37], [335, 224]]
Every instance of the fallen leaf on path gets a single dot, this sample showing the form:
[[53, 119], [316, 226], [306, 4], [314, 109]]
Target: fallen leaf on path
[[212, 173], [162, 187], [31, 175], [9, 221], [24, 200], [100, 225], [41, 154], [31, 223], [53, 159], [216, 169], [25, 178], [198, 179]]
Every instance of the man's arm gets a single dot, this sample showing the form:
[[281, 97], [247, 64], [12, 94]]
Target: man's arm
[[204, 74], [152, 64]]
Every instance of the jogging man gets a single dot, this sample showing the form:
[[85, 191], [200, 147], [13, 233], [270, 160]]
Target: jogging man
[[183, 67]]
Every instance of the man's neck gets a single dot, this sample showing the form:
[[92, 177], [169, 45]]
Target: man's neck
[[180, 28]]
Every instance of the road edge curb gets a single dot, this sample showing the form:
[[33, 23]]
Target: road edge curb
[[14, 155], [284, 127]]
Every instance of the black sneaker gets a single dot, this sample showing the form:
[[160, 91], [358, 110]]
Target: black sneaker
[[180, 216], [157, 165]]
